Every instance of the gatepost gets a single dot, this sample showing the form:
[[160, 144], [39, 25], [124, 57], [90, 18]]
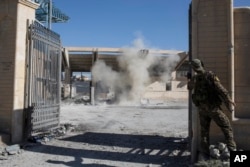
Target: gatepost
[[14, 16]]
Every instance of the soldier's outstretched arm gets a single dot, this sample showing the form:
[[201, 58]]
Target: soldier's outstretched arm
[[224, 94]]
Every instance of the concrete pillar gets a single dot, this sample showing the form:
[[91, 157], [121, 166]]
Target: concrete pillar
[[68, 72], [93, 82], [92, 95], [67, 76], [14, 15], [242, 77]]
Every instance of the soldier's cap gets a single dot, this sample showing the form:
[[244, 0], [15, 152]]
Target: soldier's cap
[[197, 64]]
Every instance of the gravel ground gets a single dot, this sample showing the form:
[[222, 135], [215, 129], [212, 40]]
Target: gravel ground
[[152, 135]]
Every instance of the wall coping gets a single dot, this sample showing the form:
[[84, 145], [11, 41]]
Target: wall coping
[[29, 3], [242, 9]]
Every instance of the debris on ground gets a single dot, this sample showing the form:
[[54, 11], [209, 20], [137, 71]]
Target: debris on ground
[[52, 134], [219, 156], [9, 150], [110, 135]]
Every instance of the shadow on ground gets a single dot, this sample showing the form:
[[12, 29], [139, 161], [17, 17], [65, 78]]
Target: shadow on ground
[[144, 149]]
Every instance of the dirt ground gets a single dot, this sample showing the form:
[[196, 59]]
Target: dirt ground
[[153, 135]]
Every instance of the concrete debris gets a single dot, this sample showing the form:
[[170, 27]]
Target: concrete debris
[[9, 150], [13, 149], [3, 157], [69, 127], [38, 139], [221, 146], [48, 136], [82, 100], [215, 153], [100, 142], [77, 100], [41, 138], [219, 151], [1, 150], [61, 130], [219, 156]]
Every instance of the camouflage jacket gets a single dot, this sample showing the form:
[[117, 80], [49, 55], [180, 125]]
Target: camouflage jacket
[[207, 90]]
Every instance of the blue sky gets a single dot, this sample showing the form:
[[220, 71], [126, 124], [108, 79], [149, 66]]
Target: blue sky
[[163, 24]]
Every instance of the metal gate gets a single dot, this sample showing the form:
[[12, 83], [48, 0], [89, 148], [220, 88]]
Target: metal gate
[[42, 79]]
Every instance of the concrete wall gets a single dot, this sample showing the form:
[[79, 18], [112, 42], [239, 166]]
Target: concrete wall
[[8, 14], [212, 42], [242, 68], [157, 90], [221, 38], [14, 15], [242, 76]]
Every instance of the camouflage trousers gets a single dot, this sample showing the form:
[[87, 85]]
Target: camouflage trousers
[[219, 117]]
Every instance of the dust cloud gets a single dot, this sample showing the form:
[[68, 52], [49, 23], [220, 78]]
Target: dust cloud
[[137, 64]]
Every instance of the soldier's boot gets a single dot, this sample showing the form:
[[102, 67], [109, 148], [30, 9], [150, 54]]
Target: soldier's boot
[[231, 145], [204, 154]]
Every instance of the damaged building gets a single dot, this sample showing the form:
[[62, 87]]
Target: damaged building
[[112, 72], [33, 59]]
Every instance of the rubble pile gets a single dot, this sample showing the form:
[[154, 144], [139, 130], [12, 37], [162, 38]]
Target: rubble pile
[[219, 156], [58, 132], [219, 151], [16, 149], [81, 99], [9, 150]]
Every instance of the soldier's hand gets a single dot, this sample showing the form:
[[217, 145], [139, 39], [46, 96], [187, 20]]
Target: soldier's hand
[[231, 106]]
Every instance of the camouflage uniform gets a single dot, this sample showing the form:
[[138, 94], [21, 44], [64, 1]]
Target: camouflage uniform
[[208, 95]]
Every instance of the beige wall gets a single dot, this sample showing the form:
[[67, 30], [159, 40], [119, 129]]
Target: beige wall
[[7, 50], [13, 27], [211, 32], [242, 76], [157, 91], [212, 43], [221, 38], [242, 67]]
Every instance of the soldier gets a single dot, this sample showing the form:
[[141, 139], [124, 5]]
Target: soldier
[[208, 95]]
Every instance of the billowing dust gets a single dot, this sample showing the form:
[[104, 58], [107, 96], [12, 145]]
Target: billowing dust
[[137, 65]]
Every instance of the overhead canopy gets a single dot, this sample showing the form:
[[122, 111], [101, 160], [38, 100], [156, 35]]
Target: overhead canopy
[[42, 13], [81, 59]]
